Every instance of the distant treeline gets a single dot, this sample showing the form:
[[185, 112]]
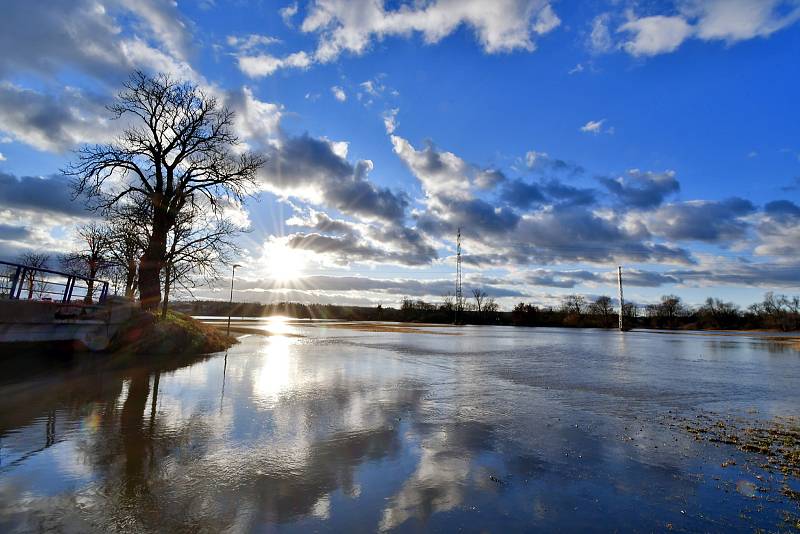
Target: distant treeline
[[779, 312]]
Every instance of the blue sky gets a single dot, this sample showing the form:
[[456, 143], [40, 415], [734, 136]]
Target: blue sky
[[566, 138]]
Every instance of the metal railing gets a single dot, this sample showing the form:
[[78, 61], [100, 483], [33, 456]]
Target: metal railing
[[23, 282]]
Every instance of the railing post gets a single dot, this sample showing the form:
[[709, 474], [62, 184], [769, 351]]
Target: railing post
[[15, 283], [71, 286], [65, 298], [22, 276]]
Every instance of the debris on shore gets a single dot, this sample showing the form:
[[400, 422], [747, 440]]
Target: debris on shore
[[776, 442]]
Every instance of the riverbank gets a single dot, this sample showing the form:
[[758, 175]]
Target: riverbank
[[176, 334]]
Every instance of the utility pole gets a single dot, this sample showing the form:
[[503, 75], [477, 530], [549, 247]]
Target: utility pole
[[230, 302], [459, 293], [621, 300]]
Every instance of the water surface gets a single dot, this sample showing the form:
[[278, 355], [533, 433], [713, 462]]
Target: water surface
[[471, 428]]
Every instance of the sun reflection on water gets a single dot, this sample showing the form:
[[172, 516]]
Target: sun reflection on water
[[279, 325], [278, 372]]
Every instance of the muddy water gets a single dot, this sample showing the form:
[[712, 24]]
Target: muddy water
[[494, 429]]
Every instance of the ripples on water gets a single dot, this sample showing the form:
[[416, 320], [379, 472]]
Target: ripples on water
[[496, 428]]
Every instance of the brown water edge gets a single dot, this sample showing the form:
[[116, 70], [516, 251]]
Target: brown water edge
[[405, 328], [767, 336], [251, 331], [360, 326]]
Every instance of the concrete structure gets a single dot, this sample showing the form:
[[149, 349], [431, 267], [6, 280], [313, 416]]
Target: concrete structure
[[92, 325]]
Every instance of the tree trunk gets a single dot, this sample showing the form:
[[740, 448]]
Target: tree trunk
[[167, 284], [90, 284], [149, 283], [130, 280], [152, 262]]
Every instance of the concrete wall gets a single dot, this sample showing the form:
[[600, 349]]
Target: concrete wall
[[42, 321]]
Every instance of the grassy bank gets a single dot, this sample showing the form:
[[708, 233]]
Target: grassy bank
[[148, 334]]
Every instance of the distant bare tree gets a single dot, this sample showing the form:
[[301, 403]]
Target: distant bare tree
[[177, 150], [448, 302], [718, 313], [602, 308], [91, 258], [574, 304], [480, 296], [670, 308]]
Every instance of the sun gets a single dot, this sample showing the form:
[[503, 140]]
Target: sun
[[283, 263]]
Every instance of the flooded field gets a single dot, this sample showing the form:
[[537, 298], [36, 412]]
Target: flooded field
[[326, 427]]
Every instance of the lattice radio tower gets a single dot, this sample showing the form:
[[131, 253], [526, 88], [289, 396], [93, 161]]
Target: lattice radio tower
[[459, 292]]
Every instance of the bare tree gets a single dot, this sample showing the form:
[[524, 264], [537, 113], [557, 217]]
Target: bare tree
[[177, 150], [37, 260], [91, 258], [480, 296]]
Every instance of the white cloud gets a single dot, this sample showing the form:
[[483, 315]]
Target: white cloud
[[737, 20], [576, 69], [338, 93], [596, 127], [439, 172], [390, 120], [600, 37], [500, 25], [256, 122], [248, 42], [532, 157], [2, 157], [370, 87], [546, 21], [90, 37], [261, 65], [655, 35], [287, 13], [53, 122], [708, 20], [353, 25]]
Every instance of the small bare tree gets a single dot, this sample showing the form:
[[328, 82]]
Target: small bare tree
[[37, 260], [177, 150], [91, 258]]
